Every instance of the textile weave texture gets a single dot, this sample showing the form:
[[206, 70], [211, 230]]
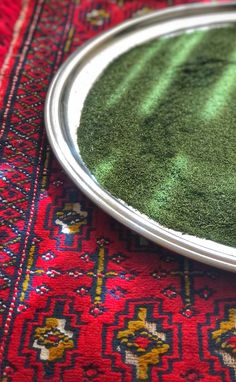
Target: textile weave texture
[[82, 298]]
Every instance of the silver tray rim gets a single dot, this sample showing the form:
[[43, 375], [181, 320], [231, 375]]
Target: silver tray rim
[[72, 163]]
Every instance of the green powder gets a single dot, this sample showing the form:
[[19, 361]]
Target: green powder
[[158, 130]]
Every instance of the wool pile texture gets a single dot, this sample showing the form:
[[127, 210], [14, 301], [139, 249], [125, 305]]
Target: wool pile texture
[[82, 298]]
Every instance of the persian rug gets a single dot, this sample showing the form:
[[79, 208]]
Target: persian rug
[[82, 298]]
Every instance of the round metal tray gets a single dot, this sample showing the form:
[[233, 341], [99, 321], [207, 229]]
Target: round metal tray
[[65, 101]]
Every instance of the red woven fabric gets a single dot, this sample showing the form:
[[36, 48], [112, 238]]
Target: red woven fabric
[[8, 16], [82, 298]]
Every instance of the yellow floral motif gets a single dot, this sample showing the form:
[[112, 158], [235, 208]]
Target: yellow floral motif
[[53, 339], [71, 218], [226, 331], [142, 12], [97, 17], [142, 344], [225, 340]]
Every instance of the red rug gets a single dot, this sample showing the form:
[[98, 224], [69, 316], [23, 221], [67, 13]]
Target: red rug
[[82, 298]]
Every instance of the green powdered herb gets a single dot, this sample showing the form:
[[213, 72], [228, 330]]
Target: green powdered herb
[[158, 130]]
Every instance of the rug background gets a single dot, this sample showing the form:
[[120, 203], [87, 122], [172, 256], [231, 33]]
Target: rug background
[[82, 298]]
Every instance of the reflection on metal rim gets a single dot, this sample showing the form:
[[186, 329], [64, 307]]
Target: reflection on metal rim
[[65, 101]]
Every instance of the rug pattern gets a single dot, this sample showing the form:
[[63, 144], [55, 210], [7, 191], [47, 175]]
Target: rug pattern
[[82, 298]]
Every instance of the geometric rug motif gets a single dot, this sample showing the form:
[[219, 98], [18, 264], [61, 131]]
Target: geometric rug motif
[[218, 335], [143, 341], [83, 298], [51, 339]]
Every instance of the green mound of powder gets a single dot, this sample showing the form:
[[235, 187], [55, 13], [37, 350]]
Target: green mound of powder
[[158, 130]]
